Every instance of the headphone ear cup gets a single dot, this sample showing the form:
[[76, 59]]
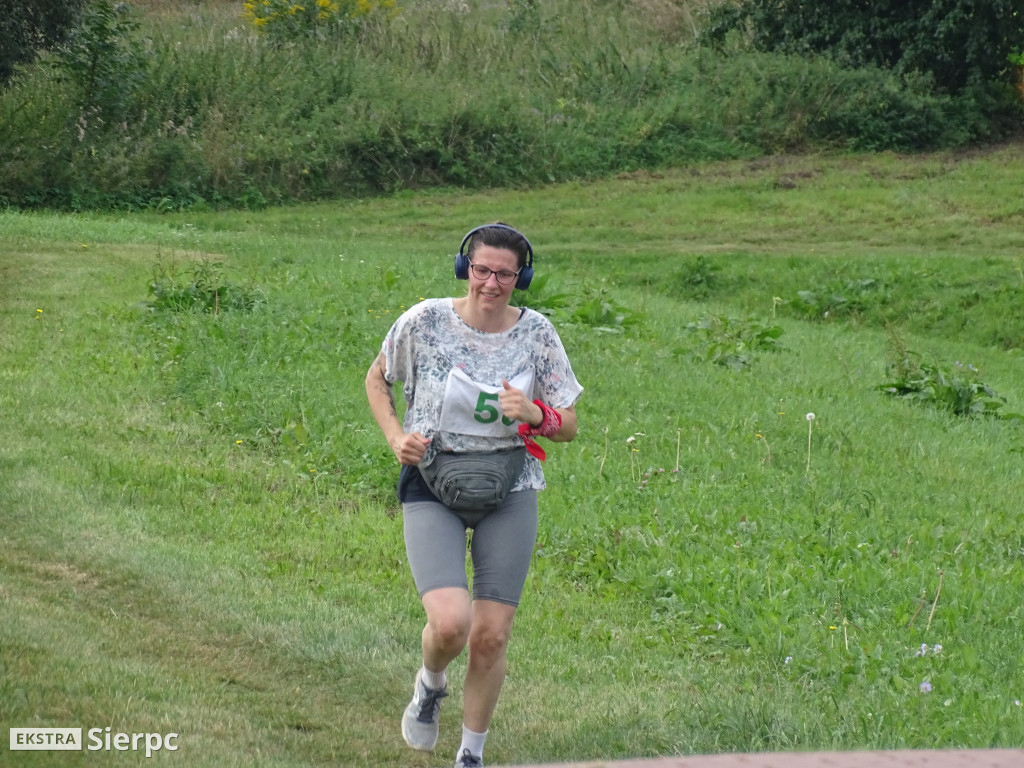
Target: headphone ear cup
[[461, 266], [525, 276]]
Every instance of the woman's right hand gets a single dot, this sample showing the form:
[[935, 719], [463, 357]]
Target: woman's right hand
[[409, 447]]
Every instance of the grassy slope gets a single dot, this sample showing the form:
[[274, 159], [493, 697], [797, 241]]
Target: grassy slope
[[177, 555]]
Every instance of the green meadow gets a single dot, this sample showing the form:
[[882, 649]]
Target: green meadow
[[198, 527]]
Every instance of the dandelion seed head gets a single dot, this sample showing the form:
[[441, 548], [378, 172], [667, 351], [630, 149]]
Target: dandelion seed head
[[810, 417]]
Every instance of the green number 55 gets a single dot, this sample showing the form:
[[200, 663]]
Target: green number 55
[[487, 412]]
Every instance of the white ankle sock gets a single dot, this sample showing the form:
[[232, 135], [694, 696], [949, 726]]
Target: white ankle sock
[[433, 680], [472, 741]]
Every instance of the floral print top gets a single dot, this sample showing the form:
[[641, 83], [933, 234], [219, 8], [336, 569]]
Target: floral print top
[[451, 373]]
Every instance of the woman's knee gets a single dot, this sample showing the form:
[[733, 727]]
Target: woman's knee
[[488, 640], [448, 616], [449, 630]]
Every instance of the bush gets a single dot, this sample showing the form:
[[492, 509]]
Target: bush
[[102, 60], [960, 43], [201, 107], [786, 103], [30, 26]]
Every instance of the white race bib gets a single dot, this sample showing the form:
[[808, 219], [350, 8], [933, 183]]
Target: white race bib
[[471, 408]]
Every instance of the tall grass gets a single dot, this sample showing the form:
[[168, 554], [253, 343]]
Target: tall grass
[[199, 529], [441, 94]]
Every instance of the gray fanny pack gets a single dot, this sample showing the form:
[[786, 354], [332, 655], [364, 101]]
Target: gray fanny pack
[[474, 481]]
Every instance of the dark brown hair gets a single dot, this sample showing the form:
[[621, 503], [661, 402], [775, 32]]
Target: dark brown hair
[[502, 236]]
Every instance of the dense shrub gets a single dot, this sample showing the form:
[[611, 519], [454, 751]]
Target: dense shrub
[[961, 43], [787, 103], [186, 108], [102, 61], [30, 26]]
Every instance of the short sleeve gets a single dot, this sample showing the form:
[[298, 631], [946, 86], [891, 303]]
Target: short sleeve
[[556, 384], [399, 348]]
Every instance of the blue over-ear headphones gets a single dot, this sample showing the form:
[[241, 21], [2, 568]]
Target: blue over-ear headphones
[[462, 259]]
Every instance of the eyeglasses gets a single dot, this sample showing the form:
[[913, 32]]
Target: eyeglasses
[[503, 276]]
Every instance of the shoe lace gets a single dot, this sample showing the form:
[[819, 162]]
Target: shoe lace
[[469, 760], [430, 703]]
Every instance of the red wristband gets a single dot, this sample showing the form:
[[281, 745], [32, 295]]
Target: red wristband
[[549, 426]]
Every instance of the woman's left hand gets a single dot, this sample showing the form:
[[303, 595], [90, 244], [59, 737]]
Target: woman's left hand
[[517, 406]]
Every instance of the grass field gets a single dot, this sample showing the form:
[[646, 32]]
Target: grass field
[[198, 532]]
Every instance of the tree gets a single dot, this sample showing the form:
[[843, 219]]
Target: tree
[[29, 26], [102, 58], [961, 43]]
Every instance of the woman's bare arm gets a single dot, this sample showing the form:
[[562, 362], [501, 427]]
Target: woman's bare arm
[[408, 448]]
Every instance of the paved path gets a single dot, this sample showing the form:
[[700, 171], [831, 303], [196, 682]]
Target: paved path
[[908, 758]]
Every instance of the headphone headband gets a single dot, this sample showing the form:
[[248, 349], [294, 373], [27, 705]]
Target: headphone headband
[[529, 248]]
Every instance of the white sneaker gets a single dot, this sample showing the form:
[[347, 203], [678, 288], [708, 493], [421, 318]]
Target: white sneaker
[[468, 760], [420, 723]]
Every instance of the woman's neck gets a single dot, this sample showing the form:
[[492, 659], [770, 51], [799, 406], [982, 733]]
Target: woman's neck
[[488, 322]]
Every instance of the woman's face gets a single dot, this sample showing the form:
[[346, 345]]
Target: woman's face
[[489, 292]]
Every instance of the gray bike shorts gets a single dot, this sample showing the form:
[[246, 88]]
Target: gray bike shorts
[[501, 547]]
